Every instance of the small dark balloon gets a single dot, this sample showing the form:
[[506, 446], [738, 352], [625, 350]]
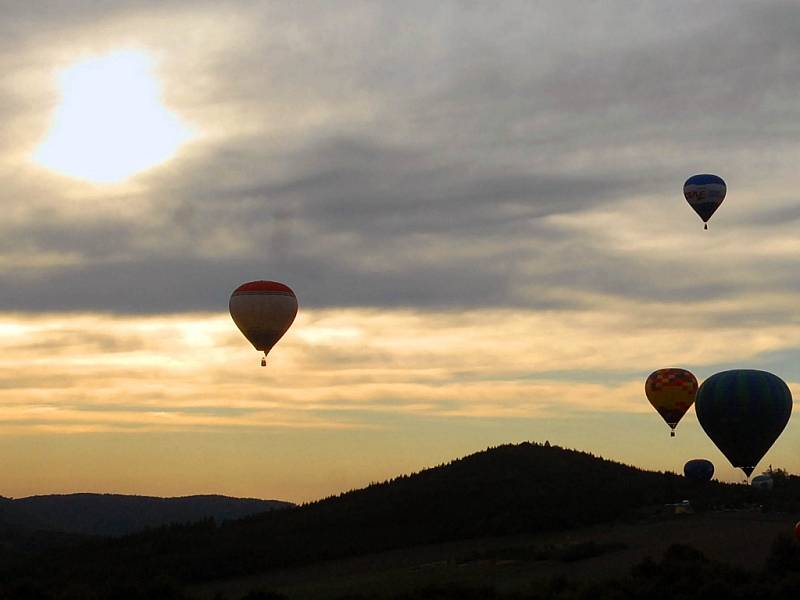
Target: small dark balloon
[[705, 193], [699, 469], [762, 482]]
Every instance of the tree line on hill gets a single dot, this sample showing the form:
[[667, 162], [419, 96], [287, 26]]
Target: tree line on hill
[[510, 489], [116, 514]]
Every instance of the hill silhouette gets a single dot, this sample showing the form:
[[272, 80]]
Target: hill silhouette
[[510, 489], [116, 514]]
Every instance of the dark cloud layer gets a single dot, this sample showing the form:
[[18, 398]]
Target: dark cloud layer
[[386, 155]]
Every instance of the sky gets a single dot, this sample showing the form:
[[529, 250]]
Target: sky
[[479, 207]]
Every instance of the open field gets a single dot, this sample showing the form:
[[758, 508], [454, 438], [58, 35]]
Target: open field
[[517, 563]]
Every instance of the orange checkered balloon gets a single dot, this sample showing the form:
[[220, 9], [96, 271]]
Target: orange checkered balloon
[[672, 393]]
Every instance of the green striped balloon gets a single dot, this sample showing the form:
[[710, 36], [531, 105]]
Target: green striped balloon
[[743, 412]]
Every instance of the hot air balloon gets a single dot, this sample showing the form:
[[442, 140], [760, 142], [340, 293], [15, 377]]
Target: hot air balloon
[[671, 392], [797, 530], [762, 482], [699, 469], [743, 412], [263, 311], [704, 193]]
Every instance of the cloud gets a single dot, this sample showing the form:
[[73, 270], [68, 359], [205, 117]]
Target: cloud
[[452, 167], [435, 167], [351, 368]]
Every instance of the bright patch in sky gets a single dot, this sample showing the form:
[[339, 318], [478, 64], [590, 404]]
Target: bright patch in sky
[[111, 123]]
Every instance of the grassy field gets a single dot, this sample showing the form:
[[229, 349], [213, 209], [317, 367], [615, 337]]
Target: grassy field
[[520, 563]]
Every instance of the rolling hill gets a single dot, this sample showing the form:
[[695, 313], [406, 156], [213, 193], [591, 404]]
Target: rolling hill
[[115, 514], [524, 489]]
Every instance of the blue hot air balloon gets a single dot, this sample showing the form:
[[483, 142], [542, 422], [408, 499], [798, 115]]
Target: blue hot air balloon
[[743, 412], [704, 193], [699, 469]]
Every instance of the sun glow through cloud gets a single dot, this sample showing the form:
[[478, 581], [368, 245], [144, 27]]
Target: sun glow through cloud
[[111, 123]]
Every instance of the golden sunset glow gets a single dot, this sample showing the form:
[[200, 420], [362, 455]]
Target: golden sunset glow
[[110, 123], [355, 372]]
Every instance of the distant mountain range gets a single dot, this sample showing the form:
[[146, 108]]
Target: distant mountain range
[[116, 514]]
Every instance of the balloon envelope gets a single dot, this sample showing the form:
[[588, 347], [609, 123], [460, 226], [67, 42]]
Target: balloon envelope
[[743, 412], [704, 193], [263, 311], [671, 392], [699, 469], [762, 482]]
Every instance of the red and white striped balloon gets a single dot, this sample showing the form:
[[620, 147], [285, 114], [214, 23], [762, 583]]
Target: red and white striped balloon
[[263, 311]]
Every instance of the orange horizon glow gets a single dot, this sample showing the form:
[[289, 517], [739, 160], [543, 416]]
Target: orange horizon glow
[[120, 387]]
